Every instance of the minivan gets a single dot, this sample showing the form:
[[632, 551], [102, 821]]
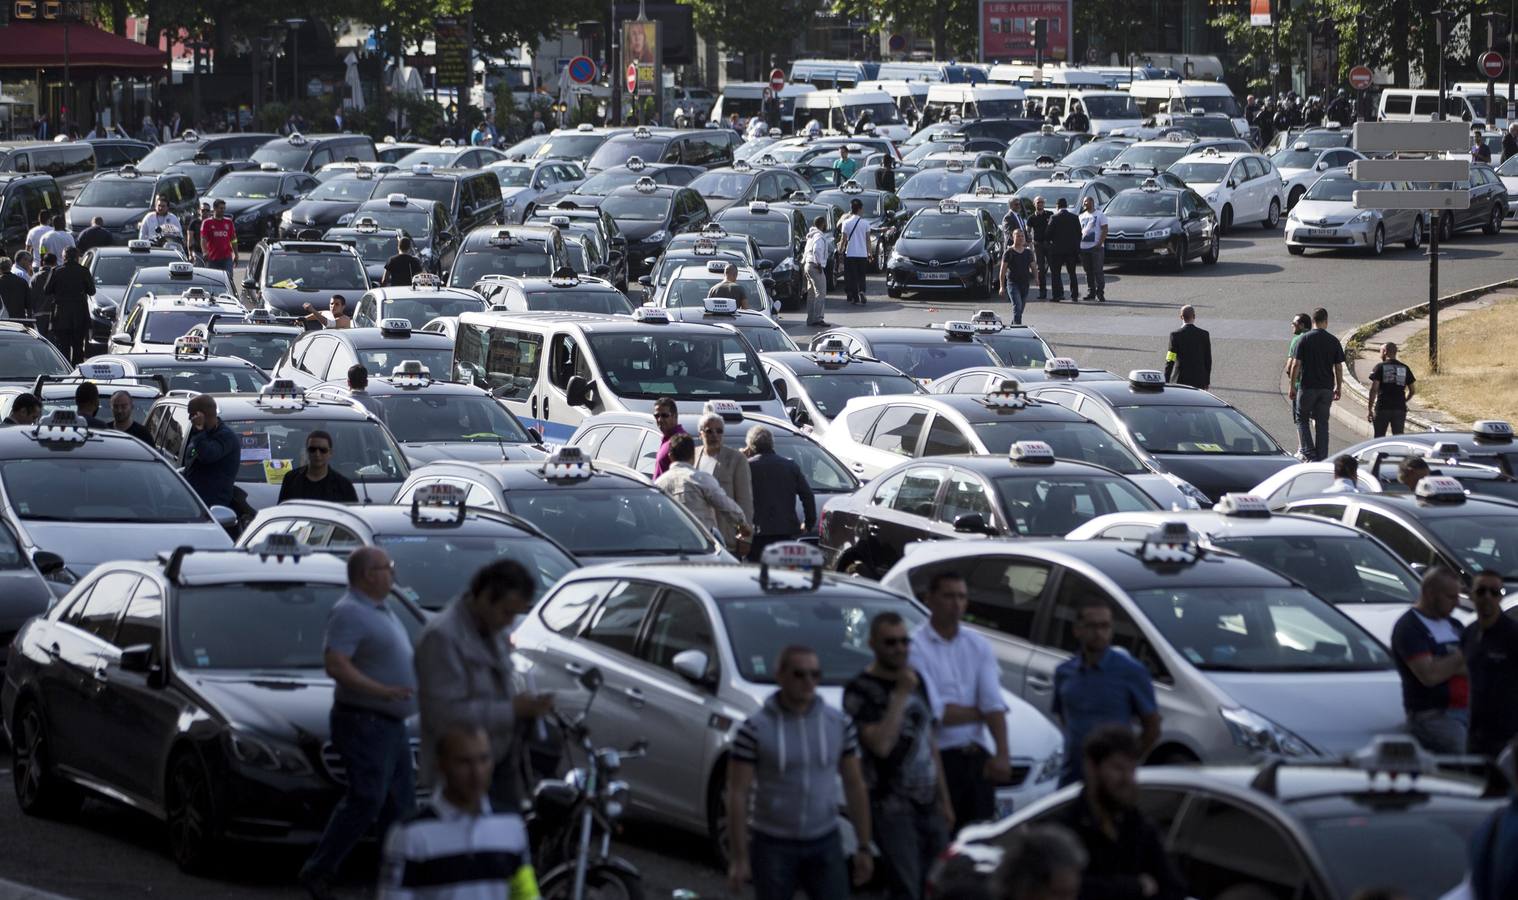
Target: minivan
[[1405, 105], [1185, 97], [998, 101], [23, 196], [1106, 110], [946, 73], [828, 74], [840, 111], [911, 97], [472, 197], [218, 147], [309, 152], [746, 98], [71, 164], [1022, 74], [709, 148]]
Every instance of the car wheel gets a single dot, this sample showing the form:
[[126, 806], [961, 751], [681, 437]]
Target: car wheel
[[1295, 251], [1378, 243], [1416, 240], [893, 292], [716, 815], [1446, 229], [1296, 194], [1225, 222], [1178, 254], [1273, 216], [39, 792], [190, 807], [1494, 221], [1210, 255]]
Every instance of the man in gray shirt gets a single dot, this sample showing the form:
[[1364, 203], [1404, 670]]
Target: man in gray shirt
[[368, 656], [729, 287]]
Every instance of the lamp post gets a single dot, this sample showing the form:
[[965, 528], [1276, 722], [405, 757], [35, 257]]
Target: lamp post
[[197, 47], [69, 11], [295, 25], [1492, 18], [1441, 18]]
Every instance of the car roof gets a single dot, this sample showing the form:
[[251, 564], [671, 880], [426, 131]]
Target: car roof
[[998, 465], [384, 386], [1121, 392], [592, 323], [735, 581], [384, 518], [209, 567], [974, 409], [365, 338], [23, 442], [900, 333], [235, 407], [658, 190], [138, 361], [1218, 156], [805, 363], [116, 250], [545, 284], [521, 476], [158, 274], [1218, 525], [1422, 509], [306, 247], [395, 291], [479, 238]]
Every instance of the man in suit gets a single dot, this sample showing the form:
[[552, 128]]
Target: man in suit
[[1189, 359], [70, 288], [15, 294], [1064, 249]]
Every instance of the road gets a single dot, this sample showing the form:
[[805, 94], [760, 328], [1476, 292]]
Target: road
[[1246, 301]]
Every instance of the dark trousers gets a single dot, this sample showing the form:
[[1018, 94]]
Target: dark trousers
[[70, 342], [1094, 262], [1313, 406], [1041, 254], [1395, 419], [781, 866], [376, 752], [854, 270], [909, 840], [1066, 262], [971, 795], [764, 540]]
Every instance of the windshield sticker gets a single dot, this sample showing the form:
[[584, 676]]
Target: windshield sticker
[[275, 470], [757, 664], [201, 657], [400, 539], [1210, 448], [255, 446]]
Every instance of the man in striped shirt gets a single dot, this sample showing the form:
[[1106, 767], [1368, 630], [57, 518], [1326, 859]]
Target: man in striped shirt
[[456, 847]]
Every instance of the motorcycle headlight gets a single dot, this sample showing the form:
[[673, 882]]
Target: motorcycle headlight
[[262, 753], [657, 237], [1258, 734], [1157, 234]]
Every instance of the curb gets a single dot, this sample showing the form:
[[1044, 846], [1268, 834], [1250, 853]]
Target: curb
[[11, 890]]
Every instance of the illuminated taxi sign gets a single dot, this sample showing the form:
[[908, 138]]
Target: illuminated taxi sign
[[426, 281], [984, 190], [1150, 186], [282, 393], [504, 238], [422, 169], [729, 410], [1006, 395], [759, 206], [396, 199], [717, 267], [268, 167], [296, 139], [832, 352], [635, 164], [958, 329], [191, 346], [1494, 430], [1061, 367], [852, 187], [1242, 506], [651, 315], [410, 373], [948, 207], [704, 247], [987, 322], [64, 426], [720, 306], [138, 246], [181, 269], [567, 463], [642, 133], [1440, 489], [128, 171], [395, 327], [1147, 379], [645, 185], [102, 371], [366, 225], [1172, 544], [790, 556], [1032, 452]]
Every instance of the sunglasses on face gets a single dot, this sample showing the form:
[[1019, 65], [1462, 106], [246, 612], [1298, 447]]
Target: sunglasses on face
[[896, 641], [318, 449]]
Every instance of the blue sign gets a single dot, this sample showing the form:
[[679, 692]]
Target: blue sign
[[582, 70]]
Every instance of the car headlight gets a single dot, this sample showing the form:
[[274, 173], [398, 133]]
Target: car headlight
[[657, 237], [509, 201], [1196, 499], [896, 259], [1157, 234], [968, 260], [1258, 734], [247, 218], [262, 753], [1051, 768], [287, 218], [1366, 216]]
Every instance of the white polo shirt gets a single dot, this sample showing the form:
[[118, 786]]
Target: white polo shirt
[[962, 672]]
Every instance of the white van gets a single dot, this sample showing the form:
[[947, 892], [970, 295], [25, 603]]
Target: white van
[[745, 98], [1467, 103], [1022, 74], [1156, 96], [838, 111], [946, 73], [911, 96], [832, 74], [1107, 110], [556, 369], [986, 101]]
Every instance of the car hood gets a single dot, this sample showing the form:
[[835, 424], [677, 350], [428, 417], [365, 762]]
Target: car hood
[[239, 205], [637, 231], [115, 216], [292, 300], [941, 250], [1137, 224], [85, 545], [109, 294], [1313, 211], [470, 451], [321, 212], [1336, 712], [23, 594], [1219, 473], [1204, 187], [289, 704]]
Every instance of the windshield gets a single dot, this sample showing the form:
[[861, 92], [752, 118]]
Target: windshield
[[723, 185], [200, 176], [1018, 351], [118, 270], [691, 290], [1159, 156], [1096, 153], [1196, 429], [359, 449], [1080, 441], [835, 624], [239, 186], [343, 187], [1480, 542], [933, 360], [608, 303], [931, 225], [288, 157], [570, 146], [1051, 193], [616, 152], [525, 259], [1259, 629], [936, 184], [1212, 126], [260, 625], [513, 176], [1336, 188], [831, 391], [999, 109], [423, 418], [1338, 569], [1216, 103], [165, 326], [432, 569], [204, 379], [315, 272], [141, 406], [117, 193], [165, 155], [602, 183], [684, 365], [1142, 205], [436, 158], [80, 489], [1353, 844], [262, 349], [382, 359], [1509, 168], [421, 310], [882, 113], [765, 232], [1049, 506], [1032, 146], [1296, 159], [1200, 172], [624, 521], [375, 248], [1110, 107], [23, 358], [415, 222], [636, 207], [765, 336], [869, 203], [417, 187]]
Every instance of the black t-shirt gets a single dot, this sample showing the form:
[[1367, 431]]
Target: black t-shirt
[[1318, 352], [1412, 639], [1394, 379], [1491, 657], [1017, 262], [401, 268], [1038, 222], [908, 774], [334, 487], [138, 431]]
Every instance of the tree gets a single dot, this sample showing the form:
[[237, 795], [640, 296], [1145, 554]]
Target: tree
[[754, 29], [950, 23]]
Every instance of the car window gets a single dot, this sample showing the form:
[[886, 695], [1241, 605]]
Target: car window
[[622, 444], [944, 437], [315, 360], [567, 608], [918, 491], [143, 622], [1397, 536], [679, 625], [1004, 593], [1222, 845], [104, 605], [1073, 589], [618, 620], [966, 495], [898, 430]]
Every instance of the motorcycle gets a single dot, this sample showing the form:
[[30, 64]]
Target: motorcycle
[[572, 818]]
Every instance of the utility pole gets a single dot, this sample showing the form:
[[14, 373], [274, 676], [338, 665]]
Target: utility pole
[[1491, 83], [1435, 220], [295, 25]]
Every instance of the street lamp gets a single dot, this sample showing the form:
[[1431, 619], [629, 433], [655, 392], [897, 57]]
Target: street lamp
[[1492, 18], [295, 25], [196, 47], [1441, 17], [69, 11]]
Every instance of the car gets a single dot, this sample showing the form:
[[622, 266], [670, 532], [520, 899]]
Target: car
[[761, 331], [1197, 121], [272, 426], [982, 379], [1305, 480], [1488, 442], [157, 323], [1300, 165], [418, 303], [1124, 176], [256, 200], [946, 248], [687, 286], [328, 353], [708, 148], [1191, 434], [437, 420], [592, 220], [24, 196], [124, 197], [297, 152], [741, 247], [1235, 649], [649, 214], [1325, 217], [375, 245], [524, 148], [1047, 142], [801, 149], [577, 144], [1488, 207], [113, 268], [600, 512], [1293, 816], [1507, 173], [28, 586], [1092, 155], [434, 236], [1026, 493], [1162, 153], [526, 186], [1059, 186], [204, 171], [565, 290], [1238, 186], [1345, 566], [470, 198], [970, 159], [688, 650], [1167, 225], [90, 495], [391, 151], [1316, 138], [881, 209], [191, 144], [253, 335], [328, 205], [189, 368], [535, 251], [928, 187], [605, 181], [449, 154], [923, 353], [285, 277], [115, 151], [212, 659], [332, 170], [57, 391], [745, 182], [589, 255], [171, 280]]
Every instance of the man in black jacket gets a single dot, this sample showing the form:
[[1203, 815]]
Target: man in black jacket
[[15, 293], [97, 235], [42, 304], [317, 480], [1189, 357], [1064, 249], [778, 484], [70, 288], [1038, 228]]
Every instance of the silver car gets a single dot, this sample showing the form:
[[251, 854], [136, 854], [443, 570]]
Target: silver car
[[534, 183], [1246, 662], [1326, 218]]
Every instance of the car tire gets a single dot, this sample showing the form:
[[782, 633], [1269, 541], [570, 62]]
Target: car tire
[[1225, 221], [39, 792], [1210, 255], [1378, 241], [1494, 221], [1178, 255], [1446, 229], [893, 292], [1273, 215], [191, 814], [1295, 251], [716, 814], [1416, 240], [1296, 195]]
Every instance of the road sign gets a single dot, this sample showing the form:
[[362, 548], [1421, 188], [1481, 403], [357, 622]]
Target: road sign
[[897, 43], [582, 70], [632, 77], [1436, 170], [1412, 199], [1361, 77], [1490, 64], [777, 80], [1412, 137]]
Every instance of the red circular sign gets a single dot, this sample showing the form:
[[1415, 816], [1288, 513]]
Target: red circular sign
[[1360, 77], [777, 79], [1491, 64], [632, 77]]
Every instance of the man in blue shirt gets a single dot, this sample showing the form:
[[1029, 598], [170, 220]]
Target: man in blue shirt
[[1102, 685], [211, 461]]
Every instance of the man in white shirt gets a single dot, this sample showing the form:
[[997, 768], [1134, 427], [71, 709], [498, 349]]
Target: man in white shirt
[[815, 259], [58, 239], [1346, 476], [855, 244], [1094, 249], [160, 217], [38, 232]]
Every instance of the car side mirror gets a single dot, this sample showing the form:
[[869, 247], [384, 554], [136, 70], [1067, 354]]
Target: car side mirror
[[650, 261], [248, 284], [646, 280], [536, 435], [691, 665], [798, 414], [972, 523], [137, 658], [1321, 167], [1232, 183], [121, 337], [764, 265], [47, 562], [225, 517], [578, 392]]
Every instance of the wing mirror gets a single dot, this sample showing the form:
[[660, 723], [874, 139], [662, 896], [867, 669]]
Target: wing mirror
[[692, 665]]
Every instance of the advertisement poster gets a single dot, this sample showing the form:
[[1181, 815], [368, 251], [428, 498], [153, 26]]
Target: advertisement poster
[[1259, 12], [1006, 29], [640, 45], [452, 37]]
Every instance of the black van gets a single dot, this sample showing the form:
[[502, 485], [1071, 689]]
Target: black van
[[70, 164], [22, 197], [215, 146], [709, 148], [472, 197], [309, 152]]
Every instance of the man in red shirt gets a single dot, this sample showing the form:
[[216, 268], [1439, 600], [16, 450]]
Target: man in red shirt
[[218, 239]]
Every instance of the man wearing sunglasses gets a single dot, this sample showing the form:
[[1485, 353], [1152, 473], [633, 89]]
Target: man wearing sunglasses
[[1491, 655], [317, 480]]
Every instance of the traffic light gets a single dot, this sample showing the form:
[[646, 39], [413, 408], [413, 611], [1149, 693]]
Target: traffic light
[[1041, 34]]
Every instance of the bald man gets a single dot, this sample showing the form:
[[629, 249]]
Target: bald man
[[1189, 359], [121, 418]]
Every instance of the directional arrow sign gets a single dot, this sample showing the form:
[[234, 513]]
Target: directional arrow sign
[[1412, 137], [1436, 170], [1412, 199]]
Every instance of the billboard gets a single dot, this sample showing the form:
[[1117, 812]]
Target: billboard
[[453, 40], [676, 32], [640, 47], [1006, 29]]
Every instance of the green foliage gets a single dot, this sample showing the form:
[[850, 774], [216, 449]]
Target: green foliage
[[950, 23], [753, 27]]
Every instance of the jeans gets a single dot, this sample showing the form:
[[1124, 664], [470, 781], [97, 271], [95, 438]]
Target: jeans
[[816, 292], [816, 866], [853, 277], [1396, 419], [376, 751], [1019, 297], [1041, 253], [1093, 261], [223, 264], [909, 840], [1313, 405], [1440, 730], [971, 795], [1064, 261]]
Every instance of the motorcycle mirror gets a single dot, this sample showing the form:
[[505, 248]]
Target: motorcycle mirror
[[591, 679]]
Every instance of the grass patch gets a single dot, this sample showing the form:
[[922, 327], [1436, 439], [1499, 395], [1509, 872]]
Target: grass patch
[[1479, 379]]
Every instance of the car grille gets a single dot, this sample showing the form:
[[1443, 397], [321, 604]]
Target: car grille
[[332, 761]]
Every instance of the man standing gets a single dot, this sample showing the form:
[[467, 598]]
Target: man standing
[[1038, 227], [38, 232], [667, 417], [1064, 247], [70, 286], [1100, 686], [698, 491], [459, 846], [815, 257], [59, 240], [788, 756], [910, 812], [317, 480], [218, 238], [1391, 386], [368, 657], [1076, 121], [97, 235], [855, 244], [1189, 357], [121, 418], [213, 453], [87, 404], [962, 673], [779, 487], [1319, 367], [1510, 141], [1126, 857], [844, 167], [1093, 250], [464, 673], [1426, 645], [15, 293], [730, 288], [402, 267], [1491, 655], [730, 467], [1300, 324]]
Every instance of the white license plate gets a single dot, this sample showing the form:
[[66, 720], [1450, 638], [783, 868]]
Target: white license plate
[[1112, 245], [1322, 232], [934, 276]]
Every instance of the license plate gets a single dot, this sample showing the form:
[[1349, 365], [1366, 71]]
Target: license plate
[[1322, 232], [1113, 245], [934, 276]]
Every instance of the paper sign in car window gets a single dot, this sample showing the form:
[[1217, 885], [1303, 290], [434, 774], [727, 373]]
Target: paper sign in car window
[[275, 470], [255, 446]]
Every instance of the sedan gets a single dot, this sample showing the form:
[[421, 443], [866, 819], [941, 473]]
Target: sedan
[[1326, 218]]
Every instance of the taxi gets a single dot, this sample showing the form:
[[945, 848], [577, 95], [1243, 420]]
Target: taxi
[[256, 199], [763, 333], [1301, 164], [434, 238], [980, 379], [814, 385], [285, 276], [649, 214], [57, 391], [157, 322], [881, 209], [418, 303], [272, 426], [564, 291], [113, 269], [190, 367], [687, 652], [1166, 225], [946, 248], [601, 183], [25, 354], [925, 354], [1489, 442], [1242, 187], [171, 280], [1018, 346], [590, 250], [600, 512], [1125, 176], [255, 335], [1059, 186], [928, 187], [531, 250], [436, 542], [373, 244], [744, 182], [1162, 153], [687, 286], [701, 247], [328, 354], [780, 232], [1048, 142], [436, 420], [533, 184], [328, 205]]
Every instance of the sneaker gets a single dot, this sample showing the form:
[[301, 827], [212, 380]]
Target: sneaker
[[1101, 298]]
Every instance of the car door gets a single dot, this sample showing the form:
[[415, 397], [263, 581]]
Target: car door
[[965, 494], [895, 437], [610, 641], [1221, 844], [550, 405], [1056, 641], [134, 708], [69, 685], [1403, 540], [907, 518]]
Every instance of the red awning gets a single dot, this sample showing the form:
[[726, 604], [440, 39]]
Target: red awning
[[39, 45]]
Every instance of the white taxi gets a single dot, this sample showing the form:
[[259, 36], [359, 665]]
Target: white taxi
[[157, 323], [1242, 187]]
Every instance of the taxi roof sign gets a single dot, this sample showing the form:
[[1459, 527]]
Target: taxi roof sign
[[279, 545], [759, 206], [567, 463], [64, 426], [959, 329], [986, 321], [985, 190], [410, 373], [102, 371], [422, 169], [1440, 489], [651, 315], [1044, 162], [1007, 394], [742, 165], [1242, 506], [768, 159], [642, 133], [1171, 544], [717, 266], [704, 247], [729, 410], [720, 306], [1032, 452], [432, 499], [563, 277], [635, 164], [366, 225], [1150, 186], [852, 187], [1495, 430], [426, 280], [790, 556], [191, 346], [181, 268], [395, 327], [139, 246], [559, 221], [504, 238], [268, 167], [396, 199], [645, 185], [282, 393], [1445, 450], [955, 165], [948, 207], [297, 139], [1147, 378], [1061, 367], [832, 352]]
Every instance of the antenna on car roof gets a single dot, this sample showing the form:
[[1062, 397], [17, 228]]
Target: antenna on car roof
[[363, 481]]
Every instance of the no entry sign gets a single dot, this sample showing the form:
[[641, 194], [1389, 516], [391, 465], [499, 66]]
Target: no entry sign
[[1361, 77], [632, 77], [777, 79], [1491, 64]]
